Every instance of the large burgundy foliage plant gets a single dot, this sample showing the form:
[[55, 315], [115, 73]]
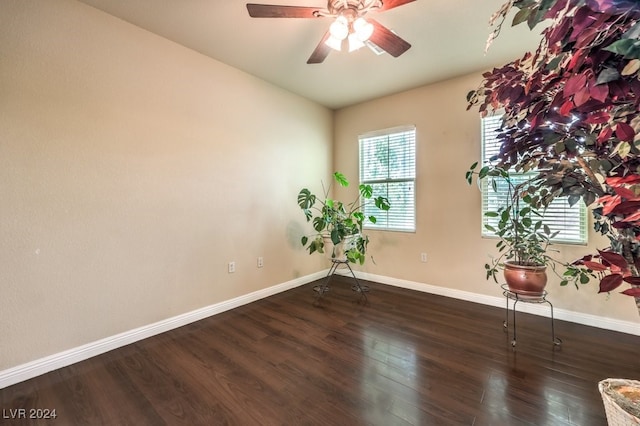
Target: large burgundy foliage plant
[[571, 112]]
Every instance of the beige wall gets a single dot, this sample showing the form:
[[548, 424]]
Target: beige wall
[[132, 170], [448, 210]]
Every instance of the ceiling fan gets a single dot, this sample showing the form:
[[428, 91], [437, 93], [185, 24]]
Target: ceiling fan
[[349, 26]]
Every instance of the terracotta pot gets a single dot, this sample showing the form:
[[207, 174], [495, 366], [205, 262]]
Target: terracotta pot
[[529, 280]]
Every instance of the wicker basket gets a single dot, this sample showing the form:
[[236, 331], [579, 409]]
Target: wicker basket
[[614, 402]]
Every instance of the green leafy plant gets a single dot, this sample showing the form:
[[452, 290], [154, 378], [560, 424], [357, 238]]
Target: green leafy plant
[[570, 112], [523, 238], [337, 222]]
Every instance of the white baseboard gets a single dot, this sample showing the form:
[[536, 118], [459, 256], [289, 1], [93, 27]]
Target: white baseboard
[[499, 301], [44, 365]]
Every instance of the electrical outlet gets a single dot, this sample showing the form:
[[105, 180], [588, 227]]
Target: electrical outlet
[[232, 267], [260, 262], [423, 257]]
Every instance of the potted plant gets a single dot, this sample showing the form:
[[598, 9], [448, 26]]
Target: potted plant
[[523, 238], [339, 224], [570, 111]]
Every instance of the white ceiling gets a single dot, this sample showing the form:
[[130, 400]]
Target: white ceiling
[[447, 37]]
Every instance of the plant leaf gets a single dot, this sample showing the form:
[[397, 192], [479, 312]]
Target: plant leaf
[[632, 280], [625, 132], [382, 203], [633, 32], [341, 179], [366, 191], [625, 47], [623, 149], [610, 282], [520, 17], [632, 67], [489, 228], [634, 292], [574, 84], [594, 266], [607, 75], [306, 199], [599, 92], [614, 259], [335, 237], [319, 224]]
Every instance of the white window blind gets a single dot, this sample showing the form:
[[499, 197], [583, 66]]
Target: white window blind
[[388, 164], [569, 221]]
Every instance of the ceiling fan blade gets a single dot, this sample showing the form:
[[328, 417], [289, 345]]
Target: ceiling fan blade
[[390, 4], [274, 11], [321, 51], [386, 40]]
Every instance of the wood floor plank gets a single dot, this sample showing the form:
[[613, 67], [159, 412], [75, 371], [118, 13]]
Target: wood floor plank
[[403, 358]]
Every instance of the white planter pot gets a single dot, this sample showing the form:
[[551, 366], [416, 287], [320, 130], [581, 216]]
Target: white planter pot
[[338, 252]]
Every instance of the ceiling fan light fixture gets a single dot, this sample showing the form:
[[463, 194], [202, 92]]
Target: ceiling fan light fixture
[[339, 29], [354, 42], [362, 29], [334, 43]]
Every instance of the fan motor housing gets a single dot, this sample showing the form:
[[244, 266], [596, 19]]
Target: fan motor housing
[[360, 7]]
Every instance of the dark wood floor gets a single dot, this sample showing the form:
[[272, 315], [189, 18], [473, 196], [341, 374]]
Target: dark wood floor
[[406, 358]]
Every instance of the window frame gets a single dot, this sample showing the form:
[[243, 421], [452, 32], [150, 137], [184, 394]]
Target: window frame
[[406, 220], [581, 229]]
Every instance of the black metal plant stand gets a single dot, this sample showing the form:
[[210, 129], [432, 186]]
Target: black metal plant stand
[[517, 297], [323, 288]]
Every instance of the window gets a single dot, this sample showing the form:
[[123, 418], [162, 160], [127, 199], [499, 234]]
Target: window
[[388, 164], [569, 221]]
